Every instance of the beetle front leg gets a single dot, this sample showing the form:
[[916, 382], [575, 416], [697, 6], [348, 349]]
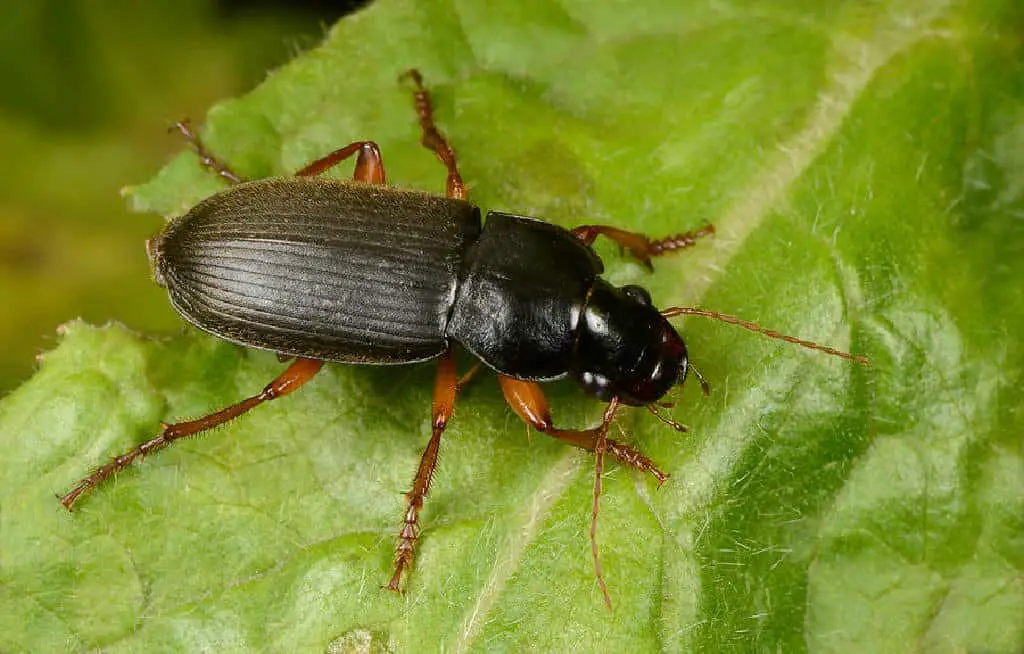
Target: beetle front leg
[[444, 403], [639, 245], [206, 158], [297, 374], [528, 401]]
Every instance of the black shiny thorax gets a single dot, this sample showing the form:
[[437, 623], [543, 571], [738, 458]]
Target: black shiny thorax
[[522, 291]]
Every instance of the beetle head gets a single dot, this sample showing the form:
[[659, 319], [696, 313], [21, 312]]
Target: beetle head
[[625, 348]]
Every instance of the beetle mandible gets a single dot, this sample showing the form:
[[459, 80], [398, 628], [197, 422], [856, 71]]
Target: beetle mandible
[[326, 270]]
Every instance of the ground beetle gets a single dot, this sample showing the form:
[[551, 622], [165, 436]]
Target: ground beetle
[[323, 270]]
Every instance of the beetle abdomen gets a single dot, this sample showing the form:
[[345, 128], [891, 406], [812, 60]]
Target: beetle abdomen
[[320, 268]]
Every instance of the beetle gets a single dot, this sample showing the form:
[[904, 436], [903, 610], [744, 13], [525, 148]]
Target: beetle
[[354, 271]]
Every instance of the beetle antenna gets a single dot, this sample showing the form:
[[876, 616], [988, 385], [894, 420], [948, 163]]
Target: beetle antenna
[[600, 447], [754, 327], [665, 419]]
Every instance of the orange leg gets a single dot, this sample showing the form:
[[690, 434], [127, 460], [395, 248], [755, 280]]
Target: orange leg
[[433, 139], [369, 163], [528, 401], [443, 405], [468, 376], [297, 374], [639, 245], [446, 384], [206, 158]]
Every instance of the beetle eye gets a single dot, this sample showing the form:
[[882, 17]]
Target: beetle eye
[[637, 293]]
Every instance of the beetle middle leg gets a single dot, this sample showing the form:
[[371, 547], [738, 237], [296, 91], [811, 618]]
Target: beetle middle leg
[[444, 403], [432, 138], [297, 374], [640, 246]]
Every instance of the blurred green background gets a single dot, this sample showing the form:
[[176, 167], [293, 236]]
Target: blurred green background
[[89, 88]]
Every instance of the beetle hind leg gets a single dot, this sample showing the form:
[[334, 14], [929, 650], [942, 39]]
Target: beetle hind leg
[[206, 158], [297, 374]]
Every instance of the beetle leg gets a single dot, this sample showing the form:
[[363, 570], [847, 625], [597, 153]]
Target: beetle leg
[[297, 374], [369, 163], [206, 158], [432, 138], [639, 245], [443, 405], [468, 376], [528, 401]]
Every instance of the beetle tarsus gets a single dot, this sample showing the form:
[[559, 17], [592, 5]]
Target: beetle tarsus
[[405, 550], [68, 499], [432, 138], [639, 246], [445, 388], [206, 158], [678, 241], [116, 464], [635, 459]]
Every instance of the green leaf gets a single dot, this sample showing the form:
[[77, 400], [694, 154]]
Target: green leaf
[[862, 164]]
